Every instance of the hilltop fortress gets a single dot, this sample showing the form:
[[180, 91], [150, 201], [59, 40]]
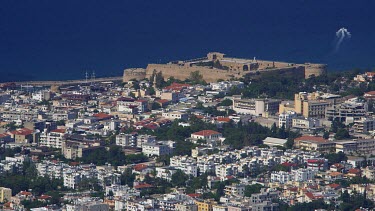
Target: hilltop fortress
[[217, 66]]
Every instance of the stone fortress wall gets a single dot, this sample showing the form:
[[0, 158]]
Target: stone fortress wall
[[216, 66]]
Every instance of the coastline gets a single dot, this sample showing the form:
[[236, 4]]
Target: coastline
[[63, 82]]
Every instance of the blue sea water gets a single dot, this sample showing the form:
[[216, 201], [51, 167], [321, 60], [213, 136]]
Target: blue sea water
[[53, 40]]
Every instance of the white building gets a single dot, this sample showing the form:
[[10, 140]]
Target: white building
[[165, 172], [187, 164], [156, 149], [272, 142], [286, 119], [52, 139], [126, 140], [207, 134], [237, 190], [305, 123], [71, 179], [298, 175], [175, 115], [364, 125], [257, 107], [41, 95]]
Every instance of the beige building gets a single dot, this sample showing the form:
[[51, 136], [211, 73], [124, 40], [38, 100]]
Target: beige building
[[5, 194], [286, 107], [364, 125], [217, 66], [314, 143], [310, 104], [186, 207], [205, 205]]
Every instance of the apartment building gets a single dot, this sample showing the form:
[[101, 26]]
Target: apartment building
[[349, 111], [305, 123], [156, 149], [257, 107], [360, 146], [237, 190], [286, 119], [175, 115], [5, 194], [126, 140], [313, 104], [53, 139], [314, 143], [364, 125]]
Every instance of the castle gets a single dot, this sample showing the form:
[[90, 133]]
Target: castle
[[217, 66]]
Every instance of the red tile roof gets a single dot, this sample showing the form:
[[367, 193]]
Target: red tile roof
[[139, 167], [354, 171], [223, 119], [102, 116], [22, 131], [194, 195], [370, 93], [58, 131], [2, 135], [45, 197], [26, 193], [177, 86], [144, 185], [311, 138], [206, 133], [334, 186]]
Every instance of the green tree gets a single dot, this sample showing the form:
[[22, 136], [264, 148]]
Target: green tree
[[251, 189], [342, 134], [226, 102], [179, 178], [196, 77], [159, 80]]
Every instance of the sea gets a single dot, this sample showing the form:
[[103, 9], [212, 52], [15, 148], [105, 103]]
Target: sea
[[59, 40]]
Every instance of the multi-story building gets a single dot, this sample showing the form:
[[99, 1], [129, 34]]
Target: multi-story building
[[257, 107], [205, 205], [360, 146], [72, 178], [364, 125], [313, 104], [5, 194], [53, 139], [186, 207], [126, 140], [41, 95], [286, 119], [314, 143], [237, 190], [317, 164], [349, 111], [156, 149], [124, 105], [187, 164], [144, 139], [51, 169], [175, 115], [305, 123]]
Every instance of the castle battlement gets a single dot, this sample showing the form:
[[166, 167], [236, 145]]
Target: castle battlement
[[217, 66]]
